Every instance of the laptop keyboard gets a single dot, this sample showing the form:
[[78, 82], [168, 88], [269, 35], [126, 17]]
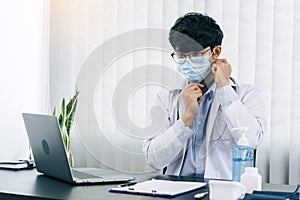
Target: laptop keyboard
[[82, 175]]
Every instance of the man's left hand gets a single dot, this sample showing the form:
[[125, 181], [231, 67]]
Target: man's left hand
[[222, 70]]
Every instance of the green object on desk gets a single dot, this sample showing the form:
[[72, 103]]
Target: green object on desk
[[66, 119]]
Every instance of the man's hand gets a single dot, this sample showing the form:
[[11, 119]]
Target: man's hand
[[222, 70], [192, 97]]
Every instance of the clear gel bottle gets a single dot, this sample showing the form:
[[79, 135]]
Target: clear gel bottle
[[242, 155]]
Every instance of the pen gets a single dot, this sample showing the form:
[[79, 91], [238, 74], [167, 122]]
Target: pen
[[128, 184]]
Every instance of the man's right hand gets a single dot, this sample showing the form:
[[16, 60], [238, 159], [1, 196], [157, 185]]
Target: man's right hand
[[192, 97]]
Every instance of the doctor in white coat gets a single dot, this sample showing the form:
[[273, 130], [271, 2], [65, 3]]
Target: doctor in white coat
[[196, 138]]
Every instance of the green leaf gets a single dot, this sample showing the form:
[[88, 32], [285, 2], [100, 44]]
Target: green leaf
[[65, 138], [71, 118], [60, 121], [71, 103], [66, 118], [71, 110], [63, 111], [54, 111]]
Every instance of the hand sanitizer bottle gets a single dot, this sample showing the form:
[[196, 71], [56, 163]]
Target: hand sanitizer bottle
[[251, 179], [242, 155]]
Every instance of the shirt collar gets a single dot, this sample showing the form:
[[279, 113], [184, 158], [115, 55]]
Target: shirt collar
[[213, 88]]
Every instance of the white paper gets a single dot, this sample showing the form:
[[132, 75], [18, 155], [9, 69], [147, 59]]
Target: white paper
[[161, 187]]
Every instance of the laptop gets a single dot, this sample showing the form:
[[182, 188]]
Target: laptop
[[50, 155]]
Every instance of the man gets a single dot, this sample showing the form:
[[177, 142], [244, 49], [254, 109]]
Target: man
[[196, 139]]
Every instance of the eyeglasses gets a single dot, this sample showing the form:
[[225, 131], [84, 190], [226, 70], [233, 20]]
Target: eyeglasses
[[194, 56]]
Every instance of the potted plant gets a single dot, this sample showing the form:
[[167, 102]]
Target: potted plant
[[66, 119]]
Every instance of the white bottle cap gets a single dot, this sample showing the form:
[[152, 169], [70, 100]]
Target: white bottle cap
[[251, 170]]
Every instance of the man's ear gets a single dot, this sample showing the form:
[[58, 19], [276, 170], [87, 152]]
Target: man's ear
[[216, 52]]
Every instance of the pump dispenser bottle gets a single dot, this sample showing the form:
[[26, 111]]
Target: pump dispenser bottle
[[242, 155]]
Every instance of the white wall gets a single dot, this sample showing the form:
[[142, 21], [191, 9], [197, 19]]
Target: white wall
[[23, 67], [261, 40]]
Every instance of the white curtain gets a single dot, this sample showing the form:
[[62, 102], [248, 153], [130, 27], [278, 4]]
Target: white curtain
[[24, 73], [102, 45]]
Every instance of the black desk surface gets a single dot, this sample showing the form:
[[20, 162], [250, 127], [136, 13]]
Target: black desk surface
[[29, 184]]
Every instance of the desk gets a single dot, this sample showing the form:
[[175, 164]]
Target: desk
[[29, 184]]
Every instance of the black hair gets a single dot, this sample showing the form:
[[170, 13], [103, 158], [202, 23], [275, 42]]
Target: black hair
[[194, 32]]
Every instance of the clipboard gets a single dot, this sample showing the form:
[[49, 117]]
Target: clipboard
[[160, 188], [17, 165]]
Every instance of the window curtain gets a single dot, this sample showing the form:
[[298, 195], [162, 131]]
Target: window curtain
[[24, 77], [117, 54]]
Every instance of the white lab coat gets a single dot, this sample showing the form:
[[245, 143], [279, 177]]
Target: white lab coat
[[165, 149]]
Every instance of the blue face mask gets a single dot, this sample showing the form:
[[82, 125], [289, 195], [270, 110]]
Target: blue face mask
[[197, 70]]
